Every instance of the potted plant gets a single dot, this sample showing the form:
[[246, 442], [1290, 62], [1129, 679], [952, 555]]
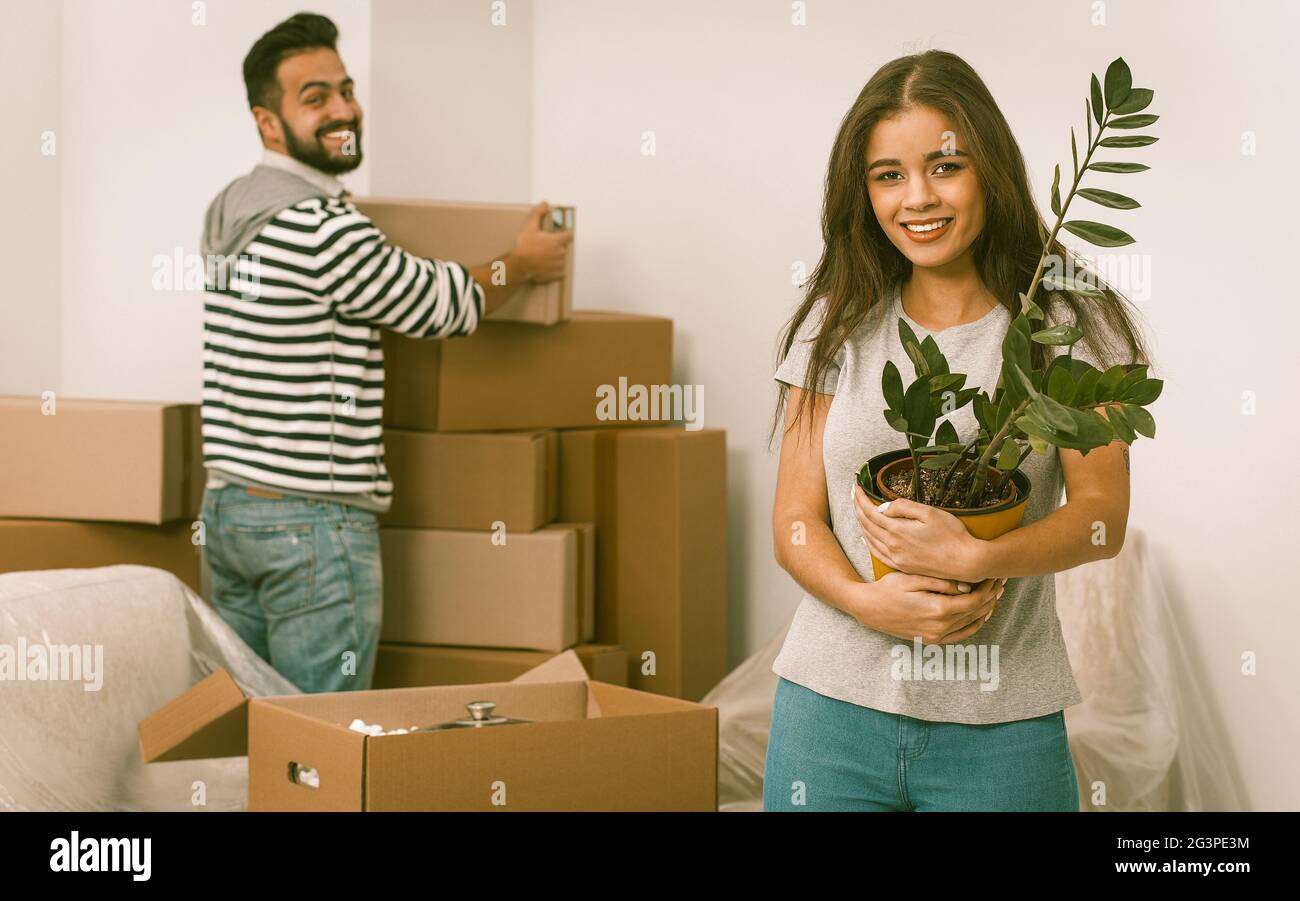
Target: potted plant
[[980, 481]]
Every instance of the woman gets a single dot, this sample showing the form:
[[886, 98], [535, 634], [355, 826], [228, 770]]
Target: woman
[[927, 216]]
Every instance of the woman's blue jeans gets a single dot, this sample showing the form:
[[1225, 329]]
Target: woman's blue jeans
[[300, 580], [826, 754]]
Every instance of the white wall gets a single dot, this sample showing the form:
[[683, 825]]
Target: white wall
[[451, 116], [151, 123], [29, 231], [744, 106], [154, 124]]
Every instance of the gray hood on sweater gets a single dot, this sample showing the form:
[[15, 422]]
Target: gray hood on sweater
[[249, 202]]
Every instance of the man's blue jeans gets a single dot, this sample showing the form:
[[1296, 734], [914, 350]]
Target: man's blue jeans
[[300, 580], [827, 754]]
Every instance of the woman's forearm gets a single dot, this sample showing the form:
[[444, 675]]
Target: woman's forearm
[[1069, 536], [809, 551]]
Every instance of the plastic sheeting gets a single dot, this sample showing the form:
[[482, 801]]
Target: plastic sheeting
[[63, 747], [1143, 739], [1144, 735], [1142, 730]]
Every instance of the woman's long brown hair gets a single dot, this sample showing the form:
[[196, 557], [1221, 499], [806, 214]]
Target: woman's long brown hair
[[859, 265]]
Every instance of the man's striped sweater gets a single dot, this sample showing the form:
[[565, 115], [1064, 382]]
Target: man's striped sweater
[[293, 378]]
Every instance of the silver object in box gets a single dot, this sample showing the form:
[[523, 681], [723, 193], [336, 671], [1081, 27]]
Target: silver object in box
[[480, 714]]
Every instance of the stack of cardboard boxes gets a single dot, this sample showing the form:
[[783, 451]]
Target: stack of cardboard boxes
[[533, 510], [545, 521], [98, 482]]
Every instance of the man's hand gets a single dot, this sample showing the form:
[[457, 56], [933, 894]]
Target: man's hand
[[539, 256]]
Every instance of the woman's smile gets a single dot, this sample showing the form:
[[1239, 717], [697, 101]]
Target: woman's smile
[[923, 231]]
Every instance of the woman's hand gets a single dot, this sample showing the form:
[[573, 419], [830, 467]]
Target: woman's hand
[[934, 610], [917, 538]]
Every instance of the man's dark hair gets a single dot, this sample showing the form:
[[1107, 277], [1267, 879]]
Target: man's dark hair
[[296, 34]]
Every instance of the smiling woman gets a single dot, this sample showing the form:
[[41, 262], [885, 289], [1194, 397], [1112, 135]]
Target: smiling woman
[[928, 219]]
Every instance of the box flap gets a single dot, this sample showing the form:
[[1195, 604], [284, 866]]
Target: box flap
[[563, 667], [209, 720]]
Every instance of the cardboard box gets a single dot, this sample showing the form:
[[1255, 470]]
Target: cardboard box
[[409, 665], [590, 746], [511, 376], [535, 591], [658, 499], [471, 480], [472, 234], [33, 544], [112, 460]]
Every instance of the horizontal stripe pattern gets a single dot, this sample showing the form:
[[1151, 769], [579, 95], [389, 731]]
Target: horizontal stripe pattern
[[293, 367]]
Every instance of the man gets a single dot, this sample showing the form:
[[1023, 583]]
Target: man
[[299, 284]]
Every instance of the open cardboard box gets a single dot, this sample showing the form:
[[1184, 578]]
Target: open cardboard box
[[591, 746]]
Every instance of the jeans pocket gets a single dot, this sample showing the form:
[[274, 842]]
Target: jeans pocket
[[280, 560], [360, 541]]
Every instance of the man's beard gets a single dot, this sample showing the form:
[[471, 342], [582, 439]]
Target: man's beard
[[314, 153]]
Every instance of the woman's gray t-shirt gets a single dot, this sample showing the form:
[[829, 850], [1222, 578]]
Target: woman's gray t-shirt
[[1016, 666]]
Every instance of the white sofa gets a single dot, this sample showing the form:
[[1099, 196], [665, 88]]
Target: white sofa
[[64, 747]]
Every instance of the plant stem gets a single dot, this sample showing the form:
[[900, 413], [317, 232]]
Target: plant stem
[[916, 473], [977, 483], [1065, 206], [947, 476], [995, 445]]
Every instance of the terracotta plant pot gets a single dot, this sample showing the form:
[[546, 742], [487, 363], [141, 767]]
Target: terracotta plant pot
[[986, 522]]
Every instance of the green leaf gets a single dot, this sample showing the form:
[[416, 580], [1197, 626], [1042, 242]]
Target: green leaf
[[949, 381], [913, 348], [1138, 100], [1015, 350], [1119, 81], [1085, 386], [1097, 102], [892, 386], [1109, 198], [1129, 141], [1026, 381], [1029, 308], [1119, 422], [984, 410], [897, 421], [934, 359], [1107, 383], [1056, 191], [1097, 233], [916, 405], [1118, 167], [1074, 153], [1144, 392], [1141, 419], [1071, 283], [938, 461], [1057, 335], [1005, 403], [946, 434], [1091, 429], [1052, 413], [1132, 121], [1060, 387], [1038, 444], [1008, 457], [1132, 378]]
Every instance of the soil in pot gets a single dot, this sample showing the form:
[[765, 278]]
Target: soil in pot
[[899, 480]]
